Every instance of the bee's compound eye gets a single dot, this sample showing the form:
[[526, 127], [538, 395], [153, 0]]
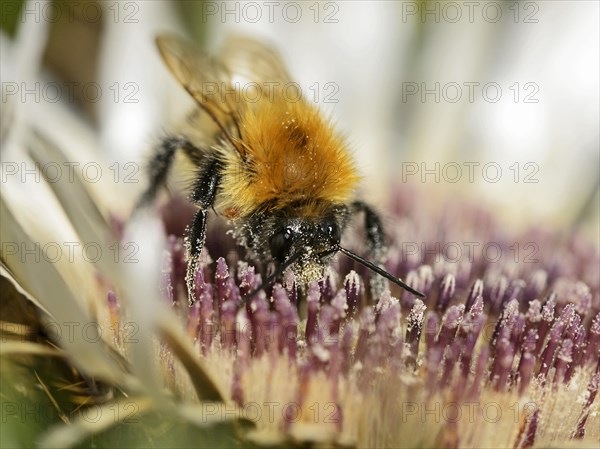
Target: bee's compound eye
[[280, 244], [331, 230]]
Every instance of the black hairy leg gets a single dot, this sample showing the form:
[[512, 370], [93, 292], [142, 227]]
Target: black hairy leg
[[375, 241], [373, 228], [204, 195], [160, 164]]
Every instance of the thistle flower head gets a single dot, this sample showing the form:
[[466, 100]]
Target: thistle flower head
[[505, 340]]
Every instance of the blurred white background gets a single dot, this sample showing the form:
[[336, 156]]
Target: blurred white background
[[416, 86]]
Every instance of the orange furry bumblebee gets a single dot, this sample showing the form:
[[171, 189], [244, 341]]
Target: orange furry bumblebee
[[272, 165]]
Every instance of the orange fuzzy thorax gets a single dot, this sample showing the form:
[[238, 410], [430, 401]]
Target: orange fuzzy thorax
[[288, 154]]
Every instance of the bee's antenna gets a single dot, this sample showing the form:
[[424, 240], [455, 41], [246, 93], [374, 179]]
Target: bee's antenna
[[280, 269], [378, 270]]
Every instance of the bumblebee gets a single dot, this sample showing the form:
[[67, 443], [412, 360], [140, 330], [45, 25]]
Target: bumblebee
[[266, 159]]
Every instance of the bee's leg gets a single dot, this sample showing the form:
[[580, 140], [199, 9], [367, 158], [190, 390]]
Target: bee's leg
[[204, 195], [159, 165], [373, 227], [375, 240]]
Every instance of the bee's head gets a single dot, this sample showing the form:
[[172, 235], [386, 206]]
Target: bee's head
[[295, 238], [308, 241], [303, 242]]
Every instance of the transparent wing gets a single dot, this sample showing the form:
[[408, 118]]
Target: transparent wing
[[205, 79], [253, 60], [217, 83]]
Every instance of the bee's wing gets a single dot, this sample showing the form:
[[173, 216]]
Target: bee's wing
[[210, 81], [253, 60], [204, 78]]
